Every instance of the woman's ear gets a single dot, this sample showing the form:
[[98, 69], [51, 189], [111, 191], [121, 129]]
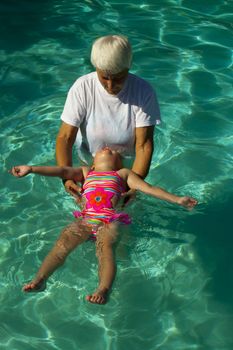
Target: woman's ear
[[93, 167]]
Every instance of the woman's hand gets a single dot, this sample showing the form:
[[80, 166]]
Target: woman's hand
[[128, 197], [73, 189], [187, 202], [20, 170]]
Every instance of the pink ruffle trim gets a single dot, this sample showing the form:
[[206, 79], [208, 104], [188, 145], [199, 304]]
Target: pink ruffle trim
[[121, 217]]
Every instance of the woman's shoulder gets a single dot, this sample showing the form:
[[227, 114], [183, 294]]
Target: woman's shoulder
[[139, 82], [85, 80], [137, 90]]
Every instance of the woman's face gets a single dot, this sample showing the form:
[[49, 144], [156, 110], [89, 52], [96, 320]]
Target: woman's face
[[112, 83]]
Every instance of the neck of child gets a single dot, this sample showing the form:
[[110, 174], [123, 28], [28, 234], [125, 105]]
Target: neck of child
[[104, 168], [104, 165]]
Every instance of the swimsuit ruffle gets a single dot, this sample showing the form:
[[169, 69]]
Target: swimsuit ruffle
[[121, 217]]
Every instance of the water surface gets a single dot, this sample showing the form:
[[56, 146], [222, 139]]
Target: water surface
[[174, 284]]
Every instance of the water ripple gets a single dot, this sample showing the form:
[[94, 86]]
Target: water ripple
[[165, 295]]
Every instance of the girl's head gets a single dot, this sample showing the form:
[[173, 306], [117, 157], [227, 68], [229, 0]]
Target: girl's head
[[107, 160]]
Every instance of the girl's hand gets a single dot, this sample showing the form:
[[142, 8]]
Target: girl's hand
[[187, 202], [20, 170]]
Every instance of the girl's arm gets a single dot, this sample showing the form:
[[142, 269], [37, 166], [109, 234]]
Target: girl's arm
[[135, 182], [63, 172]]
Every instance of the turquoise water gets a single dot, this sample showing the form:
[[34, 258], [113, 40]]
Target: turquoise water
[[174, 287]]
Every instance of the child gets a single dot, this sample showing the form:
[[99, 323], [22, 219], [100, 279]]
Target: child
[[103, 186]]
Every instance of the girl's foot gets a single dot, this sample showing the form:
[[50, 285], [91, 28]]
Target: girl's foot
[[98, 297], [36, 286]]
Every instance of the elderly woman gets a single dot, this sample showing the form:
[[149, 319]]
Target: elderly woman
[[109, 107]]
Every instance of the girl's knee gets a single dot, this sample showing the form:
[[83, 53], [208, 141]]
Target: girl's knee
[[61, 250], [104, 249]]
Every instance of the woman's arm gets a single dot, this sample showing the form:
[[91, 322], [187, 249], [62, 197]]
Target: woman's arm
[[64, 144], [144, 147], [135, 182]]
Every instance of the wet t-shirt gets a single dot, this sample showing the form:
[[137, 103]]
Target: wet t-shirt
[[109, 120]]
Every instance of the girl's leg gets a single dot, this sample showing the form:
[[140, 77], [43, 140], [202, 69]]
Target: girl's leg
[[105, 241], [72, 236]]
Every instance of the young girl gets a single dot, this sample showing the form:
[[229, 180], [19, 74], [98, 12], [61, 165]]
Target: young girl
[[103, 186]]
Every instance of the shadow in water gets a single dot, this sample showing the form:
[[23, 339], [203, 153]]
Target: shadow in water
[[214, 242], [22, 23]]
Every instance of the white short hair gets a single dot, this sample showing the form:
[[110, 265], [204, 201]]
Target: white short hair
[[111, 53]]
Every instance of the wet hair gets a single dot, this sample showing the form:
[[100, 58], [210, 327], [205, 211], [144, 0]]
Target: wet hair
[[111, 54]]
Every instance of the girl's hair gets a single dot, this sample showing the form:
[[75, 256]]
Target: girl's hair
[[111, 54]]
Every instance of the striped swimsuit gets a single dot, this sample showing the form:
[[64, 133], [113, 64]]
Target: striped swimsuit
[[98, 190]]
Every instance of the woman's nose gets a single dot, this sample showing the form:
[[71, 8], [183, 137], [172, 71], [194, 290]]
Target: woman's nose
[[110, 84]]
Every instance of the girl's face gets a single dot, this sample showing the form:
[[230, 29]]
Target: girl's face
[[108, 157]]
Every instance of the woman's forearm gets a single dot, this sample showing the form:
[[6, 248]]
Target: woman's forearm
[[144, 147], [64, 144], [142, 162], [63, 152]]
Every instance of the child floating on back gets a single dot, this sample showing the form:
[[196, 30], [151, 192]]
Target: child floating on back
[[104, 183]]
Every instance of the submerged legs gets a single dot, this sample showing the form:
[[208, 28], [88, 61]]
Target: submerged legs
[[72, 236], [105, 242]]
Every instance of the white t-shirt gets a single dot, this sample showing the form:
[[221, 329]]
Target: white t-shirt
[[109, 120]]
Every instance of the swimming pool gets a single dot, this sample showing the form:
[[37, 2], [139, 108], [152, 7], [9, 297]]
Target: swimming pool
[[174, 285]]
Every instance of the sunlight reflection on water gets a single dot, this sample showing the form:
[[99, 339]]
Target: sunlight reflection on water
[[167, 294]]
